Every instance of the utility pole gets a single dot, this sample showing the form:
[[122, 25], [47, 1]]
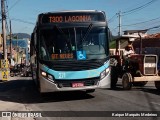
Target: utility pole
[[4, 28], [10, 41], [5, 64], [119, 33], [119, 26]]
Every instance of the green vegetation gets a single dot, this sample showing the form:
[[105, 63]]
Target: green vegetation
[[112, 44]]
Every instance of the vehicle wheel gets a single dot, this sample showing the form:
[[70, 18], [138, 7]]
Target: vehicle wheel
[[126, 81], [114, 77], [141, 84], [157, 84], [90, 91], [12, 74]]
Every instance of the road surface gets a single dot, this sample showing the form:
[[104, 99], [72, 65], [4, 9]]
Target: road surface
[[20, 94]]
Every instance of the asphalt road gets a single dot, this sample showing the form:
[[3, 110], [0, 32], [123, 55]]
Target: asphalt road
[[20, 94]]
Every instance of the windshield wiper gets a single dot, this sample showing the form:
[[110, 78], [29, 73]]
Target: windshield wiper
[[66, 39], [87, 32]]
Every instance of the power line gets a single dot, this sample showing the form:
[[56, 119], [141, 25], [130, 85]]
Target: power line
[[19, 20], [148, 29], [155, 27], [155, 30], [110, 20], [129, 12], [23, 21], [13, 5], [138, 8], [114, 28], [142, 22], [7, 8]]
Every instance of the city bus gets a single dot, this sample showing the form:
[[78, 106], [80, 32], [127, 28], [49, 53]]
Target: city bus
[[70, 51]]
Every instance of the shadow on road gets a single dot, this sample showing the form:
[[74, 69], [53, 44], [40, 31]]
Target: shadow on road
[[147, 89], [151, 90], [25, 91]]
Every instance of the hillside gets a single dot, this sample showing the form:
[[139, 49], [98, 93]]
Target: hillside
[[21, 35]]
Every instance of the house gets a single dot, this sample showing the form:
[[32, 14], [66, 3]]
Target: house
[[136, 33], [19, 50]]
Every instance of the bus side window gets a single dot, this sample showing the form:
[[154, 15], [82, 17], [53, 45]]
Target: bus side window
[[43, 53]]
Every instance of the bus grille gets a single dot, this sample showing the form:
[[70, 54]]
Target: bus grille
[[75, 65], [68, 83], [150, 64]]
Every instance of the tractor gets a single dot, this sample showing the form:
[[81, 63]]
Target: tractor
[[135, 70]]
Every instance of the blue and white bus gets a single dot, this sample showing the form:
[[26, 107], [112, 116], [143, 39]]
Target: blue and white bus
[[70, 51]]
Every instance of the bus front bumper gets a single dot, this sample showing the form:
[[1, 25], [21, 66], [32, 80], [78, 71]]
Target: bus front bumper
[[52, 86]]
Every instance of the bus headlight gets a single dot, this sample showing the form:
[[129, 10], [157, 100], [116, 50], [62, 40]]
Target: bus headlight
[[104, 73], [47, 76], [44, 74], [107, 71]]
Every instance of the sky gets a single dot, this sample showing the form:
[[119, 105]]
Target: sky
[[135, 14]]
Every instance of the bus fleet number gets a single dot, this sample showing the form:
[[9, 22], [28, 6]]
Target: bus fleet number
[[61, 75]]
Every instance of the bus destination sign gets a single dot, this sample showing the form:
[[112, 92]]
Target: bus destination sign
[[59, 19], [70, 18]]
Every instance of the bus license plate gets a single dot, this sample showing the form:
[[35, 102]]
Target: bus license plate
[[77, 85]]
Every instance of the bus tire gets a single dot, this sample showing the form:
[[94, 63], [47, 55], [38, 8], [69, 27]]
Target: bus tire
[[126, 81], [114, 77], [157, 84]]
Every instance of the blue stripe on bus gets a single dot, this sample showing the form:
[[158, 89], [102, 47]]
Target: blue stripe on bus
[[68, 75]]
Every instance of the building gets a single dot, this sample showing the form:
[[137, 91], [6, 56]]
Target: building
[[136, 33], [20, 53]]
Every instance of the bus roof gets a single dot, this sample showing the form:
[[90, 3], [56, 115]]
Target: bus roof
[[72, 11]]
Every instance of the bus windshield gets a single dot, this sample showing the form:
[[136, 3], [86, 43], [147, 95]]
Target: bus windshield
[[75, 43]]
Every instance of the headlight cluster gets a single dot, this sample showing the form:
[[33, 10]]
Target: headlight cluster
[[47, 76], [104, 73]]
